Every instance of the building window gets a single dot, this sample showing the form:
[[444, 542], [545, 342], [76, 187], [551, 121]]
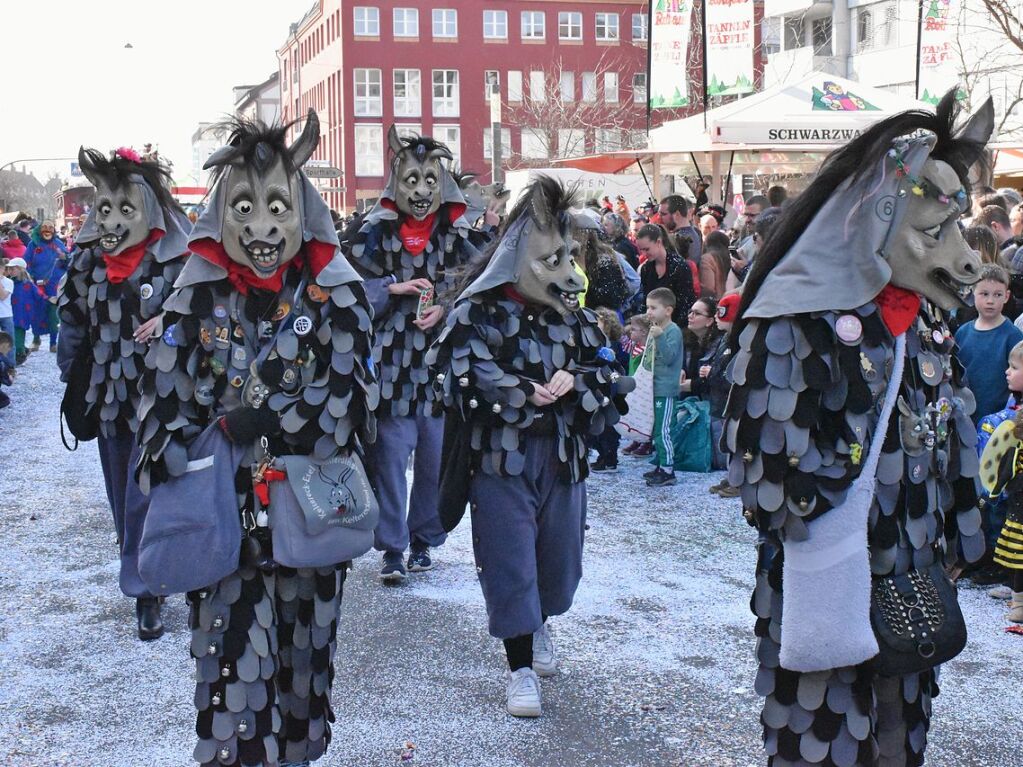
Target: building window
[[566, 84], [406, 22], [793, 32], [514, 85], [589, 87], [639, 88], [770, 35], [607, 27], [368, 101], [408, 130], [571, 142], [408, 94], [534, 25], [367, 22], [369, 150], [570, 25], [876, 26], [445, 93], [534, 144], [611, 87], [607, 140], [640, 23], [451, 136], [821, 30], [495, 25], [445, 22], [491, 77], [537, 89], [488, 144]]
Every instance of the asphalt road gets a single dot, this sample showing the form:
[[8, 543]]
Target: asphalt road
[[657, 653]]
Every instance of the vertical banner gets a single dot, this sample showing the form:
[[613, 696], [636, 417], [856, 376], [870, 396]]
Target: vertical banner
[[729, 47], [938, 70], [669, 53]]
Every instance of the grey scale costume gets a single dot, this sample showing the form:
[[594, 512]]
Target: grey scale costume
[[264, 642]]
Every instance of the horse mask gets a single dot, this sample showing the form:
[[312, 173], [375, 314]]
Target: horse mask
[[536, 253]]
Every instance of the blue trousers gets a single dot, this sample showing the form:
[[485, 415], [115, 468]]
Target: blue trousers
[[386, 463], [528, 540], [129, 505]]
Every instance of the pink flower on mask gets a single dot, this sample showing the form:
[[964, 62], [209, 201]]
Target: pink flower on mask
[[127, 153]]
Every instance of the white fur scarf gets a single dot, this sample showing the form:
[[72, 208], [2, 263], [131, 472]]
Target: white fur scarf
[[826, 578]]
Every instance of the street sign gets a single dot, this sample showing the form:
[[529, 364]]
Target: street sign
[[75, 169], [333, 189], [321, 171]]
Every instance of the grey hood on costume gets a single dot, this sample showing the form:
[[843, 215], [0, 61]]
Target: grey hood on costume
[[450, 194], [839, 261], [175, 226]]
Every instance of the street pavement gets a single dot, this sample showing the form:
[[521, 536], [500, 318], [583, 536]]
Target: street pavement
[[656, 655]]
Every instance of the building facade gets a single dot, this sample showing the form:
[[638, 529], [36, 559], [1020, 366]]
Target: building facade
[[571, 73]]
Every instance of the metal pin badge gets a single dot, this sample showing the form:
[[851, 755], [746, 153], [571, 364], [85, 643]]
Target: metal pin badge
[[146, 291], [303, 325], [849, 329], [220, 312]]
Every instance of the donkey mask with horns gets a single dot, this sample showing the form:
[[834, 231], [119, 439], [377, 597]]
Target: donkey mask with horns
[[418, 175]]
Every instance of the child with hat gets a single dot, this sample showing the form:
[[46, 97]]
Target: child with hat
[[24, 304], [718, 385]]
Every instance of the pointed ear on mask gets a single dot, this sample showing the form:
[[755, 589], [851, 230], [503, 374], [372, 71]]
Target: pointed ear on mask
[[394, 141], [538, 210], [305, 144], [980, 125], [223, 156], [87, 167]]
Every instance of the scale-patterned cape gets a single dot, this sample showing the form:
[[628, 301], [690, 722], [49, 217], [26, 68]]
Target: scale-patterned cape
[[801, 415], [377, 252], [323, 386], [487, 355], [103, 316]]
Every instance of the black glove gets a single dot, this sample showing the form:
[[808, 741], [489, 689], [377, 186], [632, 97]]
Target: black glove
[[247, 424]]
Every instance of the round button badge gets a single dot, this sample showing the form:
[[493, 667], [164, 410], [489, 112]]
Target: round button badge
[[303, 325]]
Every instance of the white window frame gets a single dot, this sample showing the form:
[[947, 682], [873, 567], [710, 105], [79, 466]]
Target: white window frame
[[409, 22], [611, 31], [408, 105], [535, 144], [366, 104], [495, 25], [531, 21], [537, 86], [446, 19], [409, 130], [571, 142], [366, 21], [454, 144], [611, 87], [488, 144], [566, 87], [569, 22], [369, 163], [607, 140], [486, 82], [589, 94], [639, 91], [514, 94], [643, 22], [446, 105]]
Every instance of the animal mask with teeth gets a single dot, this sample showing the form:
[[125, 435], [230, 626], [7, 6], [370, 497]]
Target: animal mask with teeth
[[419, 182]]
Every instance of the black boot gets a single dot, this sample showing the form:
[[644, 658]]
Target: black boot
[[147, 609]]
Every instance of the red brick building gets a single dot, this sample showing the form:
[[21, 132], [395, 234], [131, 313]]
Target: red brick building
[[572, 75]]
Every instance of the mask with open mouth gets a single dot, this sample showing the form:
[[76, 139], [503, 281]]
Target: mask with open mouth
[[419, 174], [121, 219]]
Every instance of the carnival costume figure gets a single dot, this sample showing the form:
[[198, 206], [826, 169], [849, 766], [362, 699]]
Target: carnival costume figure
[[407, 249], [525, 378], [267, 336], [129, 252], [47, 259], [859, 504]]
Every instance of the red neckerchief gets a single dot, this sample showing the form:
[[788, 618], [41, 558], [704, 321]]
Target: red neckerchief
[[416, 234], [514, 295], [242, 277], [899, 308], [123, 265]]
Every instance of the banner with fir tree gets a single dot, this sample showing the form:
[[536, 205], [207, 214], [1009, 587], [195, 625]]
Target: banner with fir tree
[[729, 47], [669, 53], [938, 70]]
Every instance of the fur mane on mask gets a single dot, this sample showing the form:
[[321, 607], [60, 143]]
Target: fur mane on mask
[[421, 147], [857, 161], [255, 144], [117, 172], [557, 201]]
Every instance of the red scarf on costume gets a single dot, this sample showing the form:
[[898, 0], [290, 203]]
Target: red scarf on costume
[[415, 234], [899, 308], [243, 278], [123, 265]]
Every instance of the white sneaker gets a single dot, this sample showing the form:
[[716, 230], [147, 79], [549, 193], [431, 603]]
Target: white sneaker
[[523, 693], [545, 661], [1000, 592]]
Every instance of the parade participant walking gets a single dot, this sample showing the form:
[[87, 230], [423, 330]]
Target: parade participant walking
[[267, 340], [857, 508], [47, 259], [525, 378], [406, 250], [130, 251]]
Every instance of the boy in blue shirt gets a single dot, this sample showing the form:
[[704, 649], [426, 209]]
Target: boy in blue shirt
[[984, 343], [666, 338]]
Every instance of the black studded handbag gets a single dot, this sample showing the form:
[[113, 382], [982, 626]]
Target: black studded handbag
[[917, 621]]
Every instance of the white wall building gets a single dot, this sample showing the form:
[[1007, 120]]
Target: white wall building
[[259, 102], [875, 42]]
